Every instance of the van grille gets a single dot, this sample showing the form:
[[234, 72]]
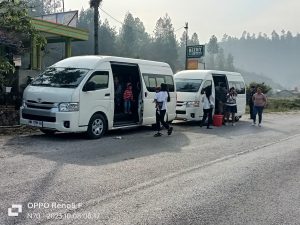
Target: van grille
[[41, 105], [179, 103]]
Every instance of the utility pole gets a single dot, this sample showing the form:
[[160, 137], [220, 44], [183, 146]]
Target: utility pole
[[186, 43], [63, 4]]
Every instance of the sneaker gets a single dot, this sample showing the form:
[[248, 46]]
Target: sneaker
[[157, 134], [170, 130], [259, 124], [233, 124], [253, 124]]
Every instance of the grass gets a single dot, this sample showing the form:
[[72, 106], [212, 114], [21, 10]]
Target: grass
[[281, 105]]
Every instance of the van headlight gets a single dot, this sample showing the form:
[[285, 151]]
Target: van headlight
[[193, 104], [68, 107]]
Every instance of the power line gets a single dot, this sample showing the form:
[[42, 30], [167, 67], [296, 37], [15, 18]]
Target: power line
[[128, 25]]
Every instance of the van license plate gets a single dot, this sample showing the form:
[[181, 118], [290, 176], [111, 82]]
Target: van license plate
[[35, 123]]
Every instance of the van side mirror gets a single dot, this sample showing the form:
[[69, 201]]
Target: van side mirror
[[89, 86]]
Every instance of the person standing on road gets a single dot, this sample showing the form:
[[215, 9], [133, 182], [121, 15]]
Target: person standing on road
[[161, 98], [231, 107], [259, 102], [250, 100], [208, 106]]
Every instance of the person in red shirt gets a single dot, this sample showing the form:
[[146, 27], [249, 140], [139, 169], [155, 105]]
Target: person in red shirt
[[128, 98]]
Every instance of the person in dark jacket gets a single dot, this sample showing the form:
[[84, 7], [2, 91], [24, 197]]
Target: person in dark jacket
[[250, 100]]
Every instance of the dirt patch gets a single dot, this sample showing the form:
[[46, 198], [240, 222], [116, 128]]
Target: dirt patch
[[17, 130]]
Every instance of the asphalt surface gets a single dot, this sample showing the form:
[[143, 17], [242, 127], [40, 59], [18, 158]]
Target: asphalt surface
[[228, 175]]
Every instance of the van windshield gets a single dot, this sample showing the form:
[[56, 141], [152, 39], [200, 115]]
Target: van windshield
[[188, 85], [60, 77]]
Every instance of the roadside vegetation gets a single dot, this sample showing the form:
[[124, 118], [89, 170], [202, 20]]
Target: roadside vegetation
[[283, 104]]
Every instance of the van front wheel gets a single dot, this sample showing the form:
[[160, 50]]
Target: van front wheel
[[97, 126]]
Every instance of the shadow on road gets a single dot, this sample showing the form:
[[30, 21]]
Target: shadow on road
[[66, 148]]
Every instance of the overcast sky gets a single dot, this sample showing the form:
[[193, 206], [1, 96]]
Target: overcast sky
[[206, 17]]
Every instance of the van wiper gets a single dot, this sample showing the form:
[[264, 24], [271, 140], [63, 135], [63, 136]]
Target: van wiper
[[67, 86]]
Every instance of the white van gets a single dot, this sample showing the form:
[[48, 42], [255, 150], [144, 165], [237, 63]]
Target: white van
[[191, 83], [77, 94]]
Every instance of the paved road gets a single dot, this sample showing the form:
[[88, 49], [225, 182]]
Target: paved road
[[228, 175]]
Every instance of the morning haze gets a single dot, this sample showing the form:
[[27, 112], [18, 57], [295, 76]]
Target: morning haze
[[257, 21]]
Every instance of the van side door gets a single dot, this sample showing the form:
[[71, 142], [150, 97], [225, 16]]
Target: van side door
[[96, 96]]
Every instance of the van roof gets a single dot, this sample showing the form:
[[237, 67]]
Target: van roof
[[93, 61], [200, 74]]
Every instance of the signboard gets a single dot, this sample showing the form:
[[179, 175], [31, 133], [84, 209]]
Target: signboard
[[192, 64], [196, 51]]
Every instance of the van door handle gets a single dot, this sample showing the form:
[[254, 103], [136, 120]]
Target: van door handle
[[107, 94]]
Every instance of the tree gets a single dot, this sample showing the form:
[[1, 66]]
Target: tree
[[165, 44], [95, 5], [275, 36], [194, 40], [16, 30], [229, 65], [212, 49], [133, 39], [264, 87], [220, 60], [108, 39], [85, 21]]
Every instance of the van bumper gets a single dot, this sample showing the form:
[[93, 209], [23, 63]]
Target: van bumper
[[53, 120], [189, 113]]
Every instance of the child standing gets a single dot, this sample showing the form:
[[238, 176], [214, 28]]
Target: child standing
[[128, 98]]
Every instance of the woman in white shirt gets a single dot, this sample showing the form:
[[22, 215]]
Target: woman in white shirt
[[208, 106], [161, 98]]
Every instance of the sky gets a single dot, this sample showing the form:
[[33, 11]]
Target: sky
[[205, 17]]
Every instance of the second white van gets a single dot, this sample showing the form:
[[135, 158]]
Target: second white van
[[191, 83]]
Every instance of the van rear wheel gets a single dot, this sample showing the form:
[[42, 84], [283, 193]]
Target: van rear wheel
[[97, 126]]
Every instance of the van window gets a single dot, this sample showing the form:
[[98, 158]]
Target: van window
[[100, 79], [188, 85], [153, 80], [60, 77], [239, 86], [206, 86]]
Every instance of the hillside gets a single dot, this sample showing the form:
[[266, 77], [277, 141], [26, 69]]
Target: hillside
[[277, 57]]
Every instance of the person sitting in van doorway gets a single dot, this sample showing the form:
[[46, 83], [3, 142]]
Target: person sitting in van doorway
[[161, 98], [118, 94], [231, 107], [221, 93], [208, 106], [128, 99]]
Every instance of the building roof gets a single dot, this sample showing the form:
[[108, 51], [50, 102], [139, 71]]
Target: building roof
[[55, 32]]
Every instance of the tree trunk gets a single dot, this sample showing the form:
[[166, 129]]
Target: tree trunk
[[96, 30]]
